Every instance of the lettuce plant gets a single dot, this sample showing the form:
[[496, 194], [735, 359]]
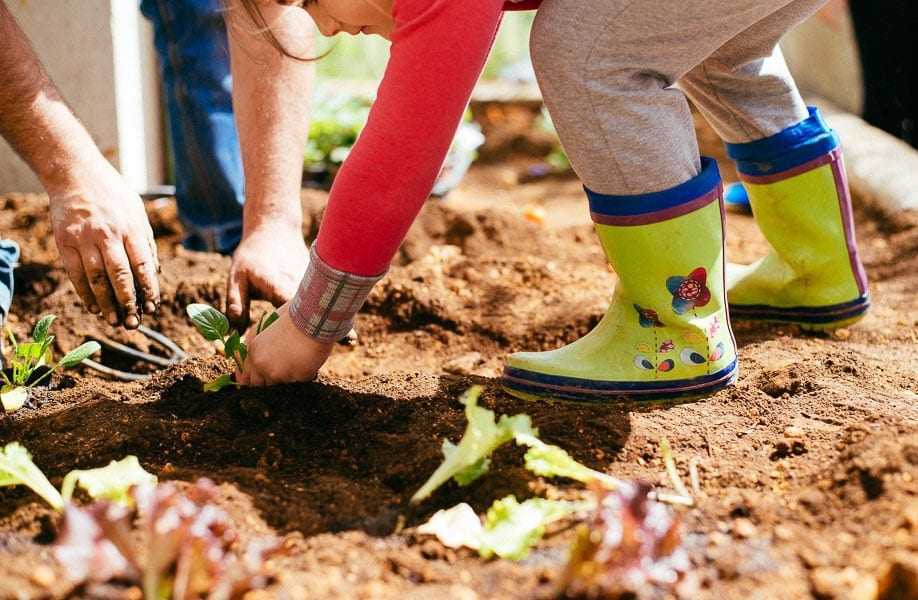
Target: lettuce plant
[[112, 482], [631, 548], [214, 326], [510, 530], [28, 358], [546, 460], [17, 468], [513, 528], [470, 458], [184, 549]]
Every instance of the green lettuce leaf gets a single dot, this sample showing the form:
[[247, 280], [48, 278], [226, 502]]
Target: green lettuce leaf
[[112, 482], [17, 468], [546, 460], [511, 528], [468, 460]]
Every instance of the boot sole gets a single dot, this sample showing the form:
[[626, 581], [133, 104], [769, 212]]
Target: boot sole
[[810, 318], [531, 385]]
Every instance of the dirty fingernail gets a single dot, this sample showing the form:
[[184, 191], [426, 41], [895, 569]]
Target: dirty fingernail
[[131, 322], [149, 307], [112, 318]]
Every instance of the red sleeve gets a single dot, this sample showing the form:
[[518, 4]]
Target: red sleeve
[[439, 48]]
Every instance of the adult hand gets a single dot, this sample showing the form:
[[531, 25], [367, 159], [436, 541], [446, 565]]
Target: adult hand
[[282, 354], [106, 244], [268, 265]]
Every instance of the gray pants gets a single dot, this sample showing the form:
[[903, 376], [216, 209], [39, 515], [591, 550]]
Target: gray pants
[[608, 70]]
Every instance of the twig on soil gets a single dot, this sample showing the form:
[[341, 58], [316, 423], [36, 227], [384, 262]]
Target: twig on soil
[[693, 475], [673, 473]]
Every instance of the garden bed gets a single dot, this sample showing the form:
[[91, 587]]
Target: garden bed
[[809, 465]]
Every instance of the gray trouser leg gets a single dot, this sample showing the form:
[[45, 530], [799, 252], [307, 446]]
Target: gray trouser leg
[[744, 89], [607, 69]]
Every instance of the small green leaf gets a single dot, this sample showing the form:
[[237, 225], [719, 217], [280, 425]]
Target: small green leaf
[[546, 460], [232, 344], [512, 528], [211, 323], [79, 354], [468, 460], [111, 482], [219, 383], [29, 351], [266, 321], [40, 332], [13, 398], [17, 468]]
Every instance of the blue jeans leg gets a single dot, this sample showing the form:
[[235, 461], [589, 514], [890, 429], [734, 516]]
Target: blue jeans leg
[[191, 43]]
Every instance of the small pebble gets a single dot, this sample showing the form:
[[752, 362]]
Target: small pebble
[[793, 432], [43, 576], [744, 528]]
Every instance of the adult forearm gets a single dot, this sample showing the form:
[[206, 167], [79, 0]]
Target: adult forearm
[[271, 101], [34, 118]]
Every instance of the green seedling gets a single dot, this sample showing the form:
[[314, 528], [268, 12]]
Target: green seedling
[[111, 483], [215, 327], [28, 359]]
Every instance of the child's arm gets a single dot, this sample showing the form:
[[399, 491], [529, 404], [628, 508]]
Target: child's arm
[[439, 48]]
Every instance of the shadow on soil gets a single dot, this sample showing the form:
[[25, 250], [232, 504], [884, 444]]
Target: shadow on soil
[[313, 458]]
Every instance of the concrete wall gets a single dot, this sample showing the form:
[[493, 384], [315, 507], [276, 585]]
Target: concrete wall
[[99, 53]]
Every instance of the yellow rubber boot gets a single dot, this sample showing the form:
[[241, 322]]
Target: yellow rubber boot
[[666, 334], [799, 195]]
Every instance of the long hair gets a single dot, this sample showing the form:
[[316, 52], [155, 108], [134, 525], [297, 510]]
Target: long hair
[[253, 11]]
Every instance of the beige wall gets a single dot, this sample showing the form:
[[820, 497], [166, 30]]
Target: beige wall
[[99, 53], [822, 55]]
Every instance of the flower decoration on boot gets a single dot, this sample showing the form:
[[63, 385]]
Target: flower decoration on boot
[[648, 317], [689, 292]]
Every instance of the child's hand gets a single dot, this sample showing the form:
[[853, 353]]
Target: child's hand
[[282, 354]]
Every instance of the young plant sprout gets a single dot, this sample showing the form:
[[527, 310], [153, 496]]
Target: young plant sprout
[[111, 483], [31, 363], [214, 326]]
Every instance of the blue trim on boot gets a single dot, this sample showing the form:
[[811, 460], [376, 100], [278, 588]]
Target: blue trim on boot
[[534, 383], [798, 144], [641, 204]]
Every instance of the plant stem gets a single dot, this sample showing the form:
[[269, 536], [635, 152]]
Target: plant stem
[[45, 376]]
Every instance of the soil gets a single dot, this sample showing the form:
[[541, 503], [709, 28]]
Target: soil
[[809, 464]]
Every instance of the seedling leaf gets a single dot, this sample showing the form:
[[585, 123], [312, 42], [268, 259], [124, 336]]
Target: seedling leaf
[[467, 460], [79, 354], [17, 468], [455, 527], [234, 348], [266, 321], [13, 398], [546, 460], [219, 383], [112, 482], [210, 322], [512, 528], [40, 331]]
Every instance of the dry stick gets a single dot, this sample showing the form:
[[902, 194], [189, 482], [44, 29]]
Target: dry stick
[[674, 477], [693, 475]]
